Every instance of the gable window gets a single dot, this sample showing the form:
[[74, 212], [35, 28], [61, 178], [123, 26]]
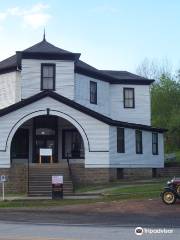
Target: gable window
[[139, 147], [120, 140], [155, 143], [93, 92], [129, 101], [48, 76]]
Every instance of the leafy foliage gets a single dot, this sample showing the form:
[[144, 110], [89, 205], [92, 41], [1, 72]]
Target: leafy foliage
[[165, 98]]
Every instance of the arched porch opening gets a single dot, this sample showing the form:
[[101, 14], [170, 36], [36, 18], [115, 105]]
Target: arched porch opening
[[51, 131]]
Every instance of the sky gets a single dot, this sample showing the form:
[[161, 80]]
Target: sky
[[114, 34]]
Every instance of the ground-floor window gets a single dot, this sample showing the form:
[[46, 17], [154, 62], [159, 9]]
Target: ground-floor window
[[139, 146], [72, 144], [154, 143], [20, 144], [120, 140]]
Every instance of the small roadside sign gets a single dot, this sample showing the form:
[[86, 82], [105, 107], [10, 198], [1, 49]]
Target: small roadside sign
[[3, 179], [57, 187]]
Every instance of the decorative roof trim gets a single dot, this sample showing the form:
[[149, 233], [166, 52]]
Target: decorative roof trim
[[49, 56], [8, 70], [78, 107]]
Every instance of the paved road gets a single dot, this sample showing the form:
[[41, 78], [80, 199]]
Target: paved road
[[120, 219], [116, 220], [21, 231]]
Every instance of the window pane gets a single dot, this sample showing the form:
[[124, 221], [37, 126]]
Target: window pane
[[139, 149], [120, 140], [128, 98], [93, 92], [47, 71], [45, 83], [48, 77], [129, 103], [50, 83], [154, 143], [130, 93]]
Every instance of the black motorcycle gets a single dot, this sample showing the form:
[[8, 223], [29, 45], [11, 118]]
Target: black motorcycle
[[171, 192]]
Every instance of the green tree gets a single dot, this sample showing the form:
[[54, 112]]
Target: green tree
[[165, 99], [165, 102]]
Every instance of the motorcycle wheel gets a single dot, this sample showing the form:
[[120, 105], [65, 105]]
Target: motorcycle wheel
[[168, 197]]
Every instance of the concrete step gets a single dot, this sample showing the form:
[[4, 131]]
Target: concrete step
[[48, 187], [66, 186], [48, 173], [40, 179], [46, 194], [33, 181]]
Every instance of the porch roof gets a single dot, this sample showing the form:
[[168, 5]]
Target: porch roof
[[78, 107]]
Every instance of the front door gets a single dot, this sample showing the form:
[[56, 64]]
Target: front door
[[45, 136], [45, 142]]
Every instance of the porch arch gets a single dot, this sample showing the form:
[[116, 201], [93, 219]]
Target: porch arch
[[50, 112]]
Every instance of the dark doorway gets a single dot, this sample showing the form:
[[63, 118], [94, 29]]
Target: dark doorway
[[72, 144], [20, 144], [45, 135]]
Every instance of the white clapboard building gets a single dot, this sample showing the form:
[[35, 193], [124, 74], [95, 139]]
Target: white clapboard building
[[59, 115]]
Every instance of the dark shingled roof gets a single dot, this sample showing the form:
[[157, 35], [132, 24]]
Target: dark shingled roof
[[46, 50], [45, 47], [122, 74], [8, 64]]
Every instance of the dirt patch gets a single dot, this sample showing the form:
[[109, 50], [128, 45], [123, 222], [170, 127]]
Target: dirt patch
[[148, 207], [154, 207]]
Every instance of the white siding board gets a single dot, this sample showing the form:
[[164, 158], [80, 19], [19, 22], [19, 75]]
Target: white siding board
[[130, 159], [31, 77], [9, 89], [82, 94], [141, 114], [97, 132]]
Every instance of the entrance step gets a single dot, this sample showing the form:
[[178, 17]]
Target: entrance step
[[40, 177]]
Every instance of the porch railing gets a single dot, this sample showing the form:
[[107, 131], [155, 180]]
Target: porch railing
[[70, 170]]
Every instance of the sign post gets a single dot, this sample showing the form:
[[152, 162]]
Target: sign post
[[57, 187], [3, 179]]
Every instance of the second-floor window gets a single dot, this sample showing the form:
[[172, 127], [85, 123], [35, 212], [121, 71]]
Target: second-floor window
[[139, 146], [48, 76], [129, 101], [93, 92]]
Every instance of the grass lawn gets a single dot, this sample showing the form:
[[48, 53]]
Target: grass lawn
[[43, 203], [136, 191], [111, 192], [119, 184]]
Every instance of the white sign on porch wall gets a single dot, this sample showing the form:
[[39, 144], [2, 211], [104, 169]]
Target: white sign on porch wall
[[45, 151]]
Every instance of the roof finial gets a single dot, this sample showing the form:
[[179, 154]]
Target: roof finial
[[44, 35]]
